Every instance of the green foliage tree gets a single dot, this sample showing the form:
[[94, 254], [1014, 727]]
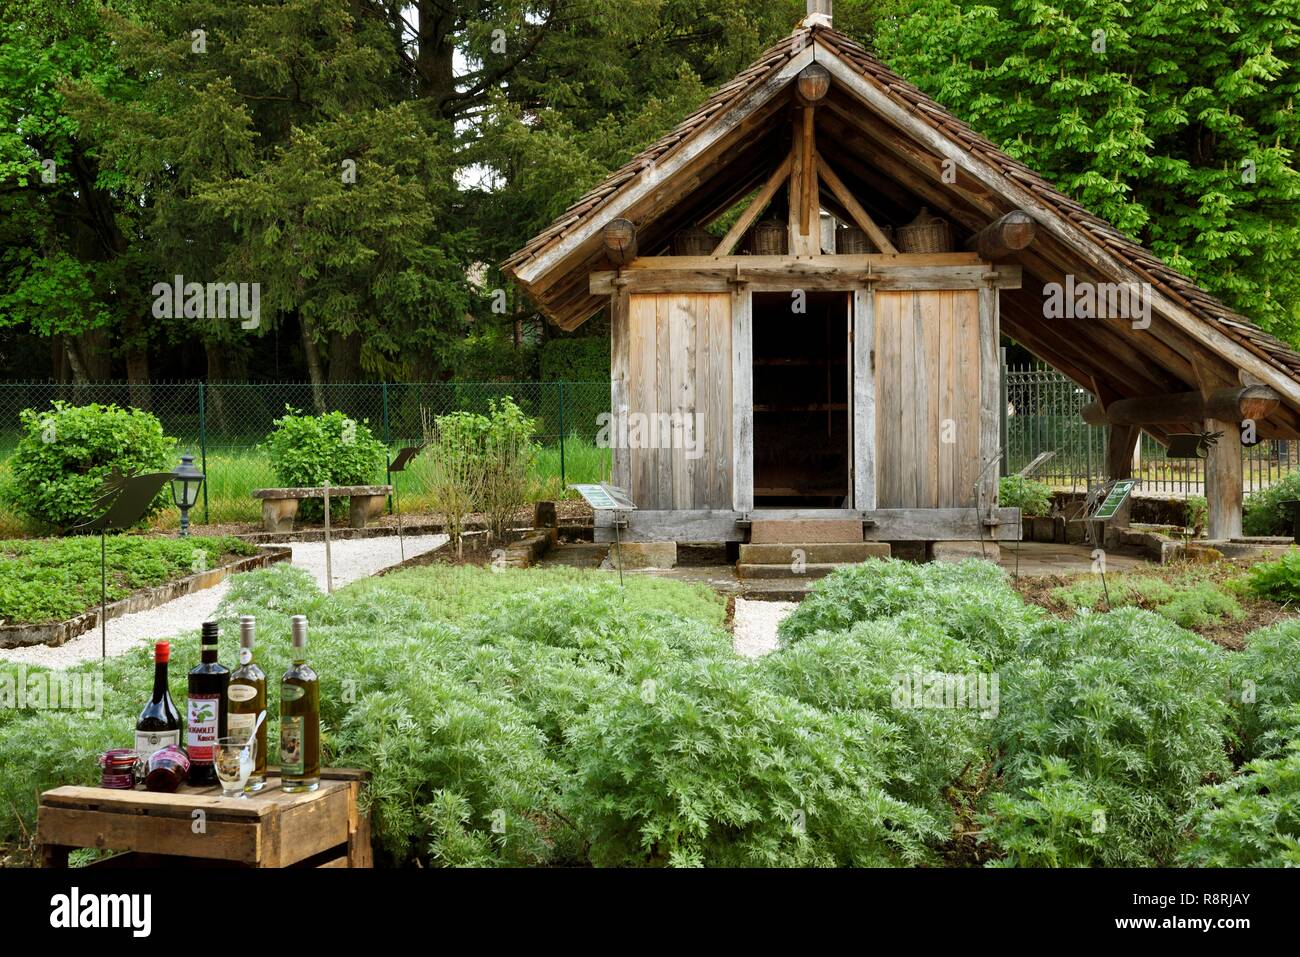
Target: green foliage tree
[[1173, 119]]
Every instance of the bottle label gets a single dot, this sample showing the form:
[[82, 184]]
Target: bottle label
[[201, 730], [241, 693], [291, 692], [147, 742], [237, 723], [245, 656], [292, 759]]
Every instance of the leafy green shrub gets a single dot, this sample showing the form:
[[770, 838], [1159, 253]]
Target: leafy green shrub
[[1189, 604], [1133, 705], [509, 451], [1277, 581], [65, 452], [455, 469], [1265, 689], [1034, 499], [679, 777], [1263, 513], [1252, 819], [971, 599], [1054, 820], [872, 669], [310, 450], [43, 580]]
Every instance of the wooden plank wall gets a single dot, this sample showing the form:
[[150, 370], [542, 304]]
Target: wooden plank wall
[[679, 363], [927, 383]]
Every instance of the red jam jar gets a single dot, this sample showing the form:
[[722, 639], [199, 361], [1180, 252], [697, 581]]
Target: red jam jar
[[119, 768], [167, 768]]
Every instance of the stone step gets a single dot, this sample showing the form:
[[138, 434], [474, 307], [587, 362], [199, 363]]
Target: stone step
[[810, 531], [820, 553], [785, 572]]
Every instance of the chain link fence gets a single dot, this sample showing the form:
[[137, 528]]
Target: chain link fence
[[1042, 414], [223, 424]]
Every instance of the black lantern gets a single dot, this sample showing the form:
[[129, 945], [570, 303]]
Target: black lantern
[[186, 480]]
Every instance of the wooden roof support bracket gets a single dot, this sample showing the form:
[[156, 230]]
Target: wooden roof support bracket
[[755, 209], [850, 202]]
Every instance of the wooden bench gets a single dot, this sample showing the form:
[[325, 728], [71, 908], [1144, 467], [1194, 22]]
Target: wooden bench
[[280, 505], [272, 828]]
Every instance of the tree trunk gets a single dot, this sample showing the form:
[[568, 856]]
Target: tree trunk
[[218, 421], [345, 357], [137, 364], [315, 370]]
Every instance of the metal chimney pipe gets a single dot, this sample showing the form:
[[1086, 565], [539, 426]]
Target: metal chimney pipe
[[820, 6]]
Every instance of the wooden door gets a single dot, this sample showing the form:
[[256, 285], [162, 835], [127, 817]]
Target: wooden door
[[678, 366], [927, 398]]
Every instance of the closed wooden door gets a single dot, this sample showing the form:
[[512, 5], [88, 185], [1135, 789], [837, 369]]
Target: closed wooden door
[[927, 398], [678, 379]]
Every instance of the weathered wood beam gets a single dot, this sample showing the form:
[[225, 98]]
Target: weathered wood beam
[[1254, 402], [809, 197], [865, 222], [1007, 235], [619, 237], [1223, 491], [815, 273], [755, 209]]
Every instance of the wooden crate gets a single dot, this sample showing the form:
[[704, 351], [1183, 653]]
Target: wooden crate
[[273, 828]]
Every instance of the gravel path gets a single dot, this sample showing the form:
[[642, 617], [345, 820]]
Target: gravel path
[[351, 559], [753, 632]]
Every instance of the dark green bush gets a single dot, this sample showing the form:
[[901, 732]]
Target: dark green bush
[[309, 450], [1263, 513], [1277, 581], [1034, 499], [65, 452]]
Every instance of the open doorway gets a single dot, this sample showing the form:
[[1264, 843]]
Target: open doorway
[[802, 430]]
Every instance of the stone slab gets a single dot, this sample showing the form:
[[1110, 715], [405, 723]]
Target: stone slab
[[809, 531]]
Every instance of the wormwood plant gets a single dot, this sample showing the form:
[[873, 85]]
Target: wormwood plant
[[1134, 706], [1253, 819], [1190, 603], [971, 599], [1265, 690]]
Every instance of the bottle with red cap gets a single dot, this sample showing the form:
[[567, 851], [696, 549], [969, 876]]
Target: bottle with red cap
[[159, 725]]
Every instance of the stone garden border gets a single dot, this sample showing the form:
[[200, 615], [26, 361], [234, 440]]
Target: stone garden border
[[58, 632]]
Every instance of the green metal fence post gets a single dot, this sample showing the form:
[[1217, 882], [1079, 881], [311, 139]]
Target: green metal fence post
[[563, 477], [203, 445], [388, 442]]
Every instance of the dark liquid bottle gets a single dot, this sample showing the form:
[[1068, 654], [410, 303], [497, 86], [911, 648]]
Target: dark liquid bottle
[[299, 718], [246, 698], [206, 714], [159, 724]]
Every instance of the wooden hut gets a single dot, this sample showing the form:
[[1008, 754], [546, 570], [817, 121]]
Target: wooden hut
[[863, 388]]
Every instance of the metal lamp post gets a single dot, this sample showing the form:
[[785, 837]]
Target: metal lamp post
[[186, 480]]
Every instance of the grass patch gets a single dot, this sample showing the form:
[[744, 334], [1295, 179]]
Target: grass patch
[[46, 580]]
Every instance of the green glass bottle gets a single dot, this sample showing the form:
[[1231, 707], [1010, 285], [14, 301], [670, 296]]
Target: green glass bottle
[[246, 699], [299, 718]]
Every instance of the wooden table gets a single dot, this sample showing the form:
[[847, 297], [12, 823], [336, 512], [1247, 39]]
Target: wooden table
[[197, 826]]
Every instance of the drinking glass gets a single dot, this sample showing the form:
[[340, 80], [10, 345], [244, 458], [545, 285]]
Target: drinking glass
[[235, 758]]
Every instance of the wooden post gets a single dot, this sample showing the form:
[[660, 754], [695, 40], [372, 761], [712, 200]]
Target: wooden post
[[621, 462], [990, 397], [1120, 445], [1223, 480], [742, 398], [864, 399]]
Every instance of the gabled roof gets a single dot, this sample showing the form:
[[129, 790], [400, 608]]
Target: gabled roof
[[883, 119]]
